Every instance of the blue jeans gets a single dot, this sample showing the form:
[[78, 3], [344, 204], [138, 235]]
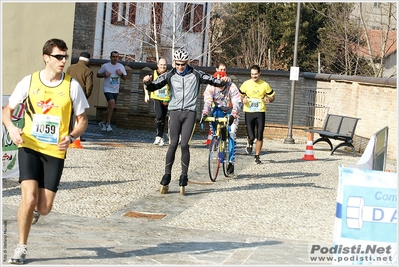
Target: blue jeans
[[231, 131]]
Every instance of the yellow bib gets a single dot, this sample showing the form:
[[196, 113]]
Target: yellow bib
[[160, 94]]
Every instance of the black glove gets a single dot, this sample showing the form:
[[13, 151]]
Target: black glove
[[204, 116], [231, 120]]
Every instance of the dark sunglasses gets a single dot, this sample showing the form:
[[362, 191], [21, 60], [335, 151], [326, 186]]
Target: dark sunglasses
[[60, 57], [184, 64]]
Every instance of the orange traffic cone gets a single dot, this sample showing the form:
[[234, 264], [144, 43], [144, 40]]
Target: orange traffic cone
[[309, 149], [76, 143], [209, 139]]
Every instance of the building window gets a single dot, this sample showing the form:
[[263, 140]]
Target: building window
[[151, 60], [198, 18], [123, 14], [193, 17], [118, 13], [132, 13], [377, 4], [158, 8], [187, 16], [130, 58], [127, 57]]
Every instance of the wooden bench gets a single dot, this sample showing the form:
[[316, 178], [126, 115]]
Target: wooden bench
[[337, 127]]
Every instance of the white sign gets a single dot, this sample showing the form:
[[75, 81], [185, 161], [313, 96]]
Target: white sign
[[366, 216], [294, 74]]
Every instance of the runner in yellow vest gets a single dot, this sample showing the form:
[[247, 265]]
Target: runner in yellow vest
[[51, 98], [160, 98]]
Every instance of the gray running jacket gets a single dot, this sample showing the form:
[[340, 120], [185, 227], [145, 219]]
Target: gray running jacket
[[184, 89]]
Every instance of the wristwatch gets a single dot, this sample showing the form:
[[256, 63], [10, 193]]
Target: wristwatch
[[71, 138]]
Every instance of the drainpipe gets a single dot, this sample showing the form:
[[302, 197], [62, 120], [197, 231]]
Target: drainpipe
[[103, 30]]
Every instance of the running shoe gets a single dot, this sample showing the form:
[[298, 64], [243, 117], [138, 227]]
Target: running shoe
[[157, 140], [248, 149], [19, 255], [257, 160], [103, 126], [109, 129], [161, 141], [230, 168], [36, 216]]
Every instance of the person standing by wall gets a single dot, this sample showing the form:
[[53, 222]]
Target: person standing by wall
[[184, 82], [224, 102], [51, 96], [256, 94], [161, 100], [112, 72], [81, 72]]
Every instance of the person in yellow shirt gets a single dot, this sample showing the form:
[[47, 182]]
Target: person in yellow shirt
[[52, 97], [161, 99], [256, 94]]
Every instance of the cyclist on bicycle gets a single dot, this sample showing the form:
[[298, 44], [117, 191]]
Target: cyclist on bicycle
[[220, 102]]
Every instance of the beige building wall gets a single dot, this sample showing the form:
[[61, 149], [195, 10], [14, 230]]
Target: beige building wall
[[26, 26]]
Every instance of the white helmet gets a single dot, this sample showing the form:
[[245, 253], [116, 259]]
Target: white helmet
[[180, 55]]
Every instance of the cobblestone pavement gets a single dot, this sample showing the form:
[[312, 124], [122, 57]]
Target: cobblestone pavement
[[108, 210]]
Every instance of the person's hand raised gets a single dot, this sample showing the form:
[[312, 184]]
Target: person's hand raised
[[147, 78]]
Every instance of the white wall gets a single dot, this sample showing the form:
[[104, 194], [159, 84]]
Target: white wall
[[128, 39], [26, 26]]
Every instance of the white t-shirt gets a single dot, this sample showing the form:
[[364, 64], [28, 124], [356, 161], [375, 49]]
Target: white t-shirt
[[111, 83], [76, 93]]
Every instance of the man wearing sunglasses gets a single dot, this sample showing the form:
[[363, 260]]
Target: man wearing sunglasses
[[112, 72], [50, 97], [184, 84]]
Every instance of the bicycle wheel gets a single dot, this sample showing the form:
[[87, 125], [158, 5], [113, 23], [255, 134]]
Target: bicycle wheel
[[213, 159], [226, 157]]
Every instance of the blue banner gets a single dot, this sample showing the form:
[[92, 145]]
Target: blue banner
[[366, 214]]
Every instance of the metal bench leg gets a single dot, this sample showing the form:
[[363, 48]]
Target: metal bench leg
[[344, 144], [325, 140]]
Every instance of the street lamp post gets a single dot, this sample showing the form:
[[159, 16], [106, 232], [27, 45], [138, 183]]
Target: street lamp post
[[289, 139]]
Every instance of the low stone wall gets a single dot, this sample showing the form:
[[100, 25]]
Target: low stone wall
[[374, 100]]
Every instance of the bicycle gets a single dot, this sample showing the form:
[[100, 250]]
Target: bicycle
[[218, 148]]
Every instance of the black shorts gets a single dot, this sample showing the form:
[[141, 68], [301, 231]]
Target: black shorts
[[252, 120], [110, 96], [44, 169]]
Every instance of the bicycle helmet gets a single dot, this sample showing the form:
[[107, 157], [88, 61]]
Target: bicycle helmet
[[180, 55]]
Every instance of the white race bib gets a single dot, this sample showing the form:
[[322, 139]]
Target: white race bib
[[46, 128], [161, 92], [114, 79], [255, 104]]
